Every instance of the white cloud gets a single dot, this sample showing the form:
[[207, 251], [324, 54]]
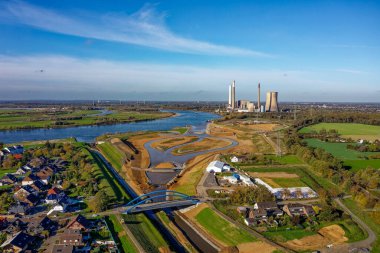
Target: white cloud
[[352, 71], [146, 27]]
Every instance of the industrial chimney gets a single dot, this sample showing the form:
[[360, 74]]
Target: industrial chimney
[[258, 98]]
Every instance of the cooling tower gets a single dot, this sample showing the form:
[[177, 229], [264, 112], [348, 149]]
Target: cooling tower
[[271, 102]]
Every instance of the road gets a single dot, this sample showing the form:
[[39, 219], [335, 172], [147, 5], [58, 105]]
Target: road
[[360, 244]]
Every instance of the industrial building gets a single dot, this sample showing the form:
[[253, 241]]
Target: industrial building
[[218, 167]]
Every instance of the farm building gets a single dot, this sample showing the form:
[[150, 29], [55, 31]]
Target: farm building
[[218, 167]]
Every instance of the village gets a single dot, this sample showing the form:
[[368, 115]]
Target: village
[[36, 213]]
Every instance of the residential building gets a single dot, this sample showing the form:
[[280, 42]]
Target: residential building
[[218, 167], [79, 222], [17, 243], [294, 209]]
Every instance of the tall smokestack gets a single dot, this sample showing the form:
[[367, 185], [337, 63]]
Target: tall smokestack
[[233, 95], [229, 95], [258, 97]]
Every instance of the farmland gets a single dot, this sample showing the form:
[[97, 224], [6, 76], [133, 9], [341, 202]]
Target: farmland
[[348, 130], [352, 159], [222, 229]]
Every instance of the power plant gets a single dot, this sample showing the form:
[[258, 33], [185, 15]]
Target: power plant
[[271, 104]]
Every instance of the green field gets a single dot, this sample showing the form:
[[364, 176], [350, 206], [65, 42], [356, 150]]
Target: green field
[[145, 232], [285, 159], [289, 182], [222, 229], [369, 218], [352, 158], [339, 150], [4, 172], [118, 234], [344, 128], [286, 235], [107, 181], [48, 118], [113, 155]]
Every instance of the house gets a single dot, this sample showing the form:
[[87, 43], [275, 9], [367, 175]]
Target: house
[[231, 179], [30, 190], [17, 243], [235, 159], [19, 208], [71, 237], [13, 150], [217, 167], [8, 179], [36, 226], [297, 209], [38, 186], [25, 197], [21, 171], [267, 205], [45, 175], [15, 226], [246, 180], [55, 196], [63, 249], [3, 223], [29, 179], [79, 222]]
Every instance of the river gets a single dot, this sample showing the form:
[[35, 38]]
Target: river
[[88, 133]]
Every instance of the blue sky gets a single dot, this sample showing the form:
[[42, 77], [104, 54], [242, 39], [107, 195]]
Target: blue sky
[[190, 50]]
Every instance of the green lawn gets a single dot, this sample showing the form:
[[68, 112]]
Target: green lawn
[[145, 232], [289, 182], [181, 130], [222, 229], [285, 159], [352, 231], [108, 181], [119, 235], [369, 218], [352, 158], [344, 128], [339, 150], [283, 235], [4, 171], [113, 155]]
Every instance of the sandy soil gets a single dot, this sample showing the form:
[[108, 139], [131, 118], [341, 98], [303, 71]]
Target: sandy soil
[[187, 183], [205, 144], [273, 174], [142, 160], [271, 182], [333, 234], [171, 141], [194, 211], [166, 165], [261, 247], [261, 127]]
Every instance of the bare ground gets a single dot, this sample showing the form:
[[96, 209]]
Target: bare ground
[[259, 246], [273, 174]]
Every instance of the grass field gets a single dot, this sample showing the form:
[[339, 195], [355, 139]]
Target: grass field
[[205, 144], [289, 182], [4, 171], [145, 232], [360, 131], [368, 218], [285, 159], [113, 155], [119, 235], [46, 118], [286, 235], [222, 229], [107, 181], [352, 158]]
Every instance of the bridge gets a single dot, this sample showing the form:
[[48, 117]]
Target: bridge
[[159, 200]]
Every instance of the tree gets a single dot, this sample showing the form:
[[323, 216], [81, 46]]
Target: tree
[[99, 202]]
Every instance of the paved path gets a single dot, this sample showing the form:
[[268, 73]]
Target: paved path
[[366, 243]]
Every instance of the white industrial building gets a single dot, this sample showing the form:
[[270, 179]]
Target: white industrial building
[[218, 167]]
